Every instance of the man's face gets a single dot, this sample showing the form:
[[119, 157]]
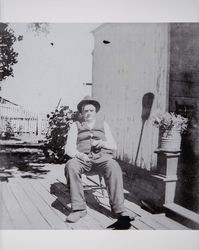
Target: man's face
[[89, 112]]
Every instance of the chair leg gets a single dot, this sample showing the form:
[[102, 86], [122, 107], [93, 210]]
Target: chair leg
[[97, 185], [101, 185]]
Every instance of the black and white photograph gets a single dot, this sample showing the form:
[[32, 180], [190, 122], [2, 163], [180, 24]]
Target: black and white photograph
[[99, 126], [99, 120]]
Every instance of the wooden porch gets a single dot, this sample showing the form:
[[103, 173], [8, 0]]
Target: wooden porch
[[35, 198]]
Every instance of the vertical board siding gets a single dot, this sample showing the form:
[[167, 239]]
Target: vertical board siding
[[184, 98], [133, 63], [184, 77]]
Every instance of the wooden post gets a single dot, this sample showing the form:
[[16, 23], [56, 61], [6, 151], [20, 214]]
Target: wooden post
[[39, 120], [168, 169]]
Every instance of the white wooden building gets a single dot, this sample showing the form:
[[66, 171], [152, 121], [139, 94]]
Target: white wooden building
[[130, 60]]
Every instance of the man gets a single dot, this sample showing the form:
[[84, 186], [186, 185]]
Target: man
[[90, 145]]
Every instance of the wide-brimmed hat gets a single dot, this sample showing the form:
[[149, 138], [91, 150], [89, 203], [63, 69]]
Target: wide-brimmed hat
[[88, 100]]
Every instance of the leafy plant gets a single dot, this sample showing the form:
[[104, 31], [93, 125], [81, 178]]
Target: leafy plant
[[168, 121], [8, 57], [7, 132], [56, 137]]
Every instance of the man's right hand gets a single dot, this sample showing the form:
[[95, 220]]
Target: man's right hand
[[83, 157]]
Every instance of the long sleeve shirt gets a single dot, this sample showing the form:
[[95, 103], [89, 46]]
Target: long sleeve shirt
[[71, 144]]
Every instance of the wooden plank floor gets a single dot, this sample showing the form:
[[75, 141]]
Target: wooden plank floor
[[41, 201]]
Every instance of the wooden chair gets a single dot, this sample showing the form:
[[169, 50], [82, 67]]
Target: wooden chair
[[95, 185]]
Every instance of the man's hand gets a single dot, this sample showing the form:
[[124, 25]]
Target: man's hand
[[83, 157], [98, 143]]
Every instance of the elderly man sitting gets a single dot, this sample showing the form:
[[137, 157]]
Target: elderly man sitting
[[90, 145]]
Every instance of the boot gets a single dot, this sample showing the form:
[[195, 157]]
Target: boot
[[76, 215]]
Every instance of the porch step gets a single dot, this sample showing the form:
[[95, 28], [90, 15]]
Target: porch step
[[7, 145], [182, 215]]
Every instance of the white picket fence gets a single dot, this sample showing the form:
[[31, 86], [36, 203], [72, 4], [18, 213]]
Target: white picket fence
[[21, 120]]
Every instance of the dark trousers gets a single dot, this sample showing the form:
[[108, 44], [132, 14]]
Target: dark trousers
[[112, 174]]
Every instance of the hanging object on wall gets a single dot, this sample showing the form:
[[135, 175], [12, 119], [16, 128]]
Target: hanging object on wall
[[147, 102]]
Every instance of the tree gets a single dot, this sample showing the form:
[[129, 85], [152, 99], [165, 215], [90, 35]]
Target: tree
[[8, 57]]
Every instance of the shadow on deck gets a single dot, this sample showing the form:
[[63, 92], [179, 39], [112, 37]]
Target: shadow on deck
[[32, 198], [62, 203]]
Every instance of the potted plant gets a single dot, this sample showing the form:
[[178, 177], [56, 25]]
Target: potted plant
[[171, 127]]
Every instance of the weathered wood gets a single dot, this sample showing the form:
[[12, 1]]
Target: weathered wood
[[186, 214], [61, 199], [183, 98], [91, 222], [33, 201], [170, 224], [42, 206], [5, 219], [102, 220], [139, 225], [65, 206], [149, 221], [55, 173], [141, 215], [49, 200], [20, 221], [87, 222], [133, 64], [32, 213]]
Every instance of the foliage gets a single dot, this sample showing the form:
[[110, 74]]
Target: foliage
[[7, 132], [8, 57], [59, 124], [168, 121]]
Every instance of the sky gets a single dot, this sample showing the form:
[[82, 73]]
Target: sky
[[51, 66]]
